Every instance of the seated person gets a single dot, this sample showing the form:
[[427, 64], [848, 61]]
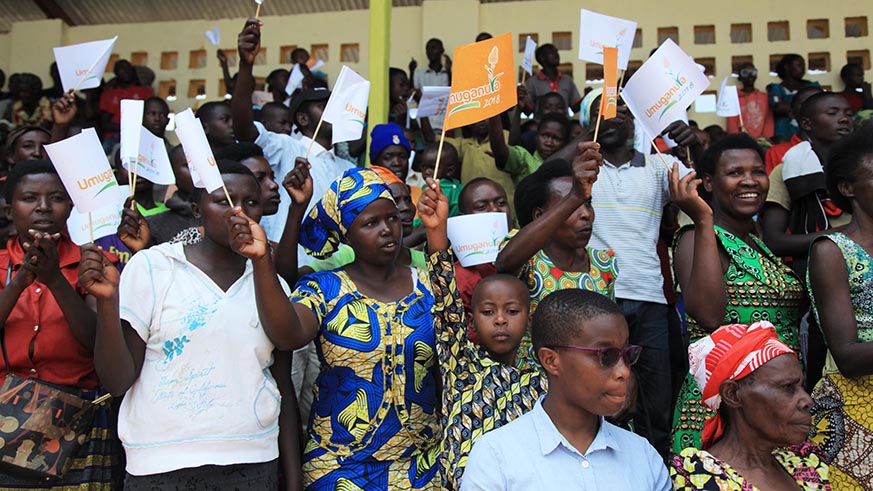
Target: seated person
[[483, 389], [565, 443], [754, 382]]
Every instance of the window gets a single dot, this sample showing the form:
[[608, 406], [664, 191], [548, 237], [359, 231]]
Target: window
[[818, 62], [139, 58], [197, 59], [350, 53], [741, 33], [638, 39], [668, 32], [169, 60], [285, 54], [859, 56], [522, 40], [704, 34], [110, 66], [196, 87], [232, 56], [562, 40], [856, 27], [738, 61], [566, 69], [319, 52], [774, 61], [260, 83], [593, 73], [818, 29], [261, 57], [708, 65], [778, 31], [167, 89]]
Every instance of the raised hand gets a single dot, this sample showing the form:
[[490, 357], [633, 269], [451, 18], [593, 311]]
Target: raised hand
[[64, 109], [298, 183], [96, 274], [681, 133], [447, 63], [685, 195], [433, 206], [134, 230], [522, 97], [586, 166], [248, 42], [222, 57], [247, 238], [412, 66]]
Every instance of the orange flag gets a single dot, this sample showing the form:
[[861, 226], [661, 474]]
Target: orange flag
[[483, 81], [609, 99]]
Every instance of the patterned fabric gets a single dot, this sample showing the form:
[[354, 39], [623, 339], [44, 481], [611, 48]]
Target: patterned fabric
[[479, 393], [41, 115], [732, 352], [758, 287], [842, 413], [373, 424], [329, 220], [386, 175], [699, 470]]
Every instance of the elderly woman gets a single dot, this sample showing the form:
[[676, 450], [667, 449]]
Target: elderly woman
[[755, 439], [727, 274], [373, 424]]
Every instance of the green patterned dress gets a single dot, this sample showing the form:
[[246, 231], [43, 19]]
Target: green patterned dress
[[758, 287]]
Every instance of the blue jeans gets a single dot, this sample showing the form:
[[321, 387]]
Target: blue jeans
[[648, 327]]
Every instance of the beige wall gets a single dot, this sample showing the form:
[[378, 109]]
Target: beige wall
[[28, 46]]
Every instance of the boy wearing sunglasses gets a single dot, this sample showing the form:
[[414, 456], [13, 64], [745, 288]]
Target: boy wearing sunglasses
[[754, 106], [564, 442]]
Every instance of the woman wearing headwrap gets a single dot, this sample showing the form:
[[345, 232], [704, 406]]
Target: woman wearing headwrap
[[373, 424], [726, 273], [755, 438]]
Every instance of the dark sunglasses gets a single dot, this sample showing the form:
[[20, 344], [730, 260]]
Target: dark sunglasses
[[748, 72], [609, 356]]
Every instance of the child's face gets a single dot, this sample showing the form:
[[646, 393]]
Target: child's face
[[487, 197], [245, 193], [219, 126], [550, 138], [267, 180], [405, 207], [501, 311], [39, 203], [448, 164], [576, 231], [604, 389], [155, 118], [396, 159], [399, 88], [30, 146], [277, 120], [376, 233], [551, 105]]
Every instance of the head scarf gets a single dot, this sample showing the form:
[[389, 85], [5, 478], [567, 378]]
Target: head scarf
[[732, 352], [329, 220], [587, 102], [386, 175]]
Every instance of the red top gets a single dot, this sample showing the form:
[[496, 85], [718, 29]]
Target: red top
[[110, 100], [777, 152], [757, 116], [39, 341], [467, 279]]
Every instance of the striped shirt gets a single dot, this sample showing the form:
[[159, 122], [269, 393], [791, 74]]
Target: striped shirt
[[628, 202]]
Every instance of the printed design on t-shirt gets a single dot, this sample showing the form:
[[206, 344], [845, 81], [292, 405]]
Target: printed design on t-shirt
[[198, 316], [174, 348]]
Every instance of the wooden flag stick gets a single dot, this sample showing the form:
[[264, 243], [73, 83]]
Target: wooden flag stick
[[314, 136], [90, 228], [131, 178], [597, 126], [523, 75], [620, 81], [101, 399], [436, 169], [258, 11], [226, 194], [669, 169], [742, 126]]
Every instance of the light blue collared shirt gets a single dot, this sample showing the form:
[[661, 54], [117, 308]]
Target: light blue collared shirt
[[531, 454]]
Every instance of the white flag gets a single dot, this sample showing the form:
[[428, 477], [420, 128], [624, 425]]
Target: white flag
[[295, 80], [84, 170], [201, 162], [81, 66], [131, 122], [530, 48], [152, 161], [346, 109], [214, 36], [433, 101], [728, 100], [102, 223], [663, 88], [598, 30]]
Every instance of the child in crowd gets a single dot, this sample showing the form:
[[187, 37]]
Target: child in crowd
[[48, 328], [156, 116], [179, 338], [217, 123], [551, 103], [276, 82], [581, 339], [180, 215], [450, 166], [552, 133], [550, 79], [276, 117], [486, 388], [754, 105]]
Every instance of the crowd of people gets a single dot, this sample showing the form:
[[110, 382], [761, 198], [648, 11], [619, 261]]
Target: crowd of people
[[694, 318]]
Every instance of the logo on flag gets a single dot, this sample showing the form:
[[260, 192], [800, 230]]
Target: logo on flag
[[530, 48], [477, 92], [598, 30], [84, 170], [728, 100], [81, 66], [346, 109]]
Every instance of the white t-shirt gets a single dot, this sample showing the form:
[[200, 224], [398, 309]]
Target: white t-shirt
[[205, 395]]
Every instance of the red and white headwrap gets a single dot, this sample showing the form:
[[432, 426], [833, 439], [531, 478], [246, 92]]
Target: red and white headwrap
[[730, 353]]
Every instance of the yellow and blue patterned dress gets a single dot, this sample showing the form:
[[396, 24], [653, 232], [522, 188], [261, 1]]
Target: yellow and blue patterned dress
[[373, 424], [843, 410]]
